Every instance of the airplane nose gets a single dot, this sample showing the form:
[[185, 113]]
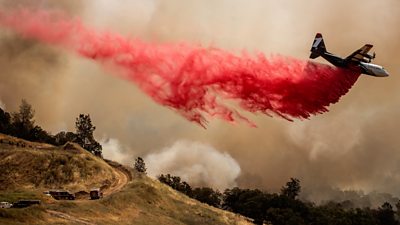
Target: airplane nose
[[386, 73]]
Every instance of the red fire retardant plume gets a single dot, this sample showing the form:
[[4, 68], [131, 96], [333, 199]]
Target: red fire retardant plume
[[196, 81]]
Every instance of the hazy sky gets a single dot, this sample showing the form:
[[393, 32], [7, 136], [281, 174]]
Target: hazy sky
[[354, 146]]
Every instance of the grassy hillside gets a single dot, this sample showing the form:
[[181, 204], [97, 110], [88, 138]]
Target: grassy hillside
[[25, 164], [141, 200]]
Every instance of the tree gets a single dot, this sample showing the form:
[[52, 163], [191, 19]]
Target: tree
[[169, 180], [207, 195], [163, 179], [249, 203], [385, 214], [231, 199], [63, 137], [22, 121], [284, 216], [398, 209], [5, 122], [175, 183], [84, 135], [60, 138], [140, 166], [186, 189], [292, 188], [40, 135], [25, 114], [70, 137]]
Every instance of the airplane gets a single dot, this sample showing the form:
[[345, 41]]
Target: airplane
[[359, 60]]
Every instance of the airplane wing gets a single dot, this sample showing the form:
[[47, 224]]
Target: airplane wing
[[360, 54]]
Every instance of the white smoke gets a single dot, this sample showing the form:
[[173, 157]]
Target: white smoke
[[136, 14], [312, 135], [196, 163], [114, 150]]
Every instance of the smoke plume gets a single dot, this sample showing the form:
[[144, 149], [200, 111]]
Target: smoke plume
[[196, 81], [114, 150], [196, 163]]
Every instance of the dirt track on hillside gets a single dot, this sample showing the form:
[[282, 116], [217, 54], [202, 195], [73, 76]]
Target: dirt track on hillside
[[121, 179]]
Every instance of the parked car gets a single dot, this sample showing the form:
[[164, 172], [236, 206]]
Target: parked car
[[95, 193], [5, 205], [62, 195], [25, 203]]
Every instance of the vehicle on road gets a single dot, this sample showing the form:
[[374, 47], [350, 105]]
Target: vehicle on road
[[95, 193], [5, 205], [25, 203], [62, 195]]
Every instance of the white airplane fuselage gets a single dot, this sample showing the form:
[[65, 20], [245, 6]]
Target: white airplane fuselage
[[373, 69]]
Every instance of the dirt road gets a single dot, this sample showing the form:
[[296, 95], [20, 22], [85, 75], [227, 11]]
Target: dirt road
[[121, 179]]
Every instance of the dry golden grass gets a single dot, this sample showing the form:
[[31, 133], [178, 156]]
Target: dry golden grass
[[27, 171], [32, 165]]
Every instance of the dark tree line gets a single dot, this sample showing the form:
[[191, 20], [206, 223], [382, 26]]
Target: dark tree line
[[176, 183], [21, 124], [284, 208], [203, 194]]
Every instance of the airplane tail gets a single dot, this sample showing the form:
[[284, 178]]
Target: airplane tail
[[318, 46]]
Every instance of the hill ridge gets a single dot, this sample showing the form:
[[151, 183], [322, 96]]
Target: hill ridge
[[130, 198]]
